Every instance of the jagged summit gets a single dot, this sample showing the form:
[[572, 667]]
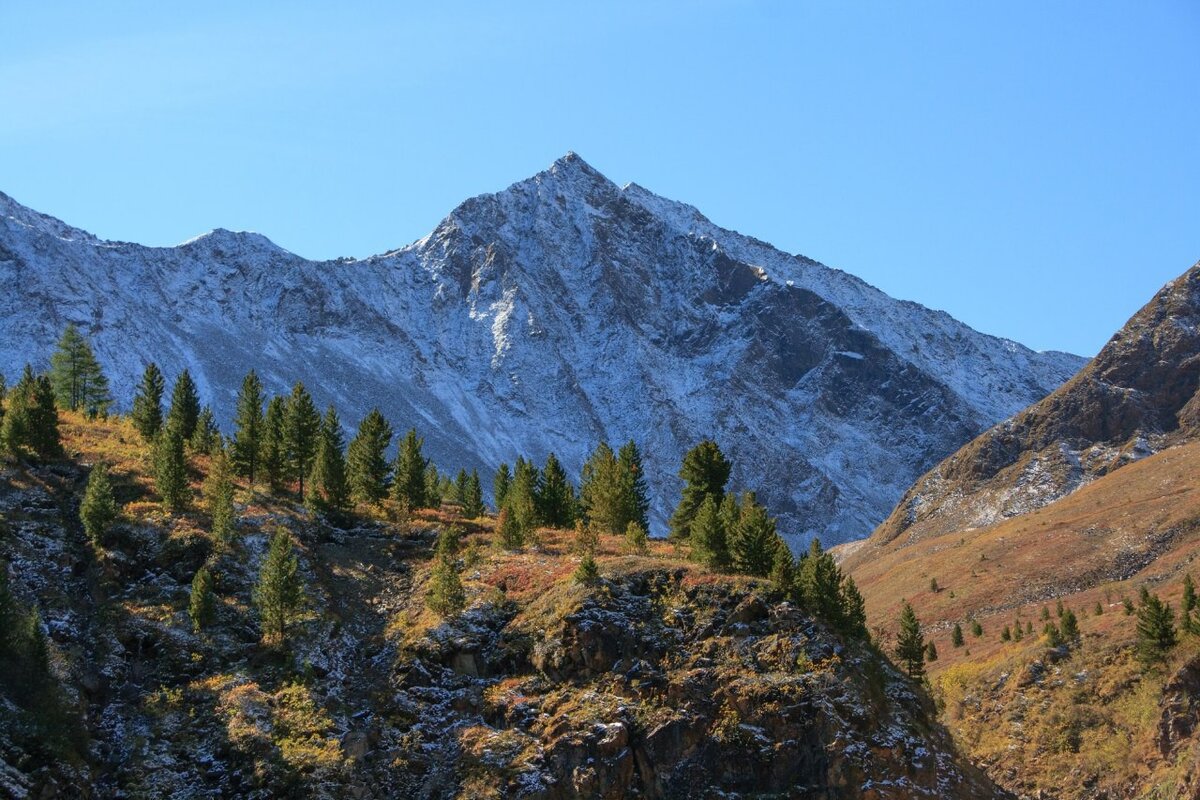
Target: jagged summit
[[556, 313]]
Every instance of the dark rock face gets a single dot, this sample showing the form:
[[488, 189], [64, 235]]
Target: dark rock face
[[1136, 397], [561, 312]]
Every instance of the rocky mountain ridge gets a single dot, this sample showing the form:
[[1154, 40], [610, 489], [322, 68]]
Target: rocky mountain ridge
[[559, 312]]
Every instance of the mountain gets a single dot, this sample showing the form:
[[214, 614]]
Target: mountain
[[1138, 396], [559, 312]]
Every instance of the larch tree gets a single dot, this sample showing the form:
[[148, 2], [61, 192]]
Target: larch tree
[[366, 459], [147, 413], [79, 382], [705, 471], [249, 428]]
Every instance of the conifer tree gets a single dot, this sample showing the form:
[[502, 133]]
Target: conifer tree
[[435, 487], [587, 538], [976, 628], [634, 492], [98, 510], [201, 604], [42, 417], [274, 450], [79, 382], [752, 541], [1018, 634], [602, 491], [366, 459], [1155, 629], [301, 429], [637, 541], [820, 584], [521, 497], [206, 436], [709, 545], [1189, 620], [329, 491], [446, 596], [410, 484], [1070, 626], [460, 488], [3, 396], [249, 428], [554, 497], [910, 644], [500, 486], [1054, 637], [170, 470], [705, 472], [15, 433], [279, 593], [147, 413], [587, 572], [510, 533], [185, 406], [473, 502], [931, 653], [854, 609], [1099, 609], [218, 496], [783, 568], [956, 635]]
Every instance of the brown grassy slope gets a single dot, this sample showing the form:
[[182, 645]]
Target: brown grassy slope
[[1139, 526], [1137, 396]]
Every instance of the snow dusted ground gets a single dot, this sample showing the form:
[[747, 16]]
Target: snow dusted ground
[[559, 312]]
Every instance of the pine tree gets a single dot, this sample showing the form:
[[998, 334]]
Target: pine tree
[[910, 644], [521, 497], [500, 486], [473, 502], [329, 491], [602, 491], [956, 635], [185, 406], [147, 413], [705, 472], [170, 470], [587, 572], [301, 427], [752, 541], [218, 495], [637, 541], [366, 459], [249, 428], [554, 497], [1155, 629], [446, 596], [274, 450], [635, 495], [1070, 626], [854, 609], [42, 420], [510, 533], [410, 483], [279, 594], [201, 604], [709, 544], [206, 436], [79, 382], [98, 510]]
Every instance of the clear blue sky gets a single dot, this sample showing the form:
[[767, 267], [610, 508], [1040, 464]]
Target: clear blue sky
[[1032, 168]]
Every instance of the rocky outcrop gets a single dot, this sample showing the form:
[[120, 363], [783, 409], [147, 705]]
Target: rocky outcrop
[[1136, 397]]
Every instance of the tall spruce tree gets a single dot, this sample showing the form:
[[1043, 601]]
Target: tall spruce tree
[[410, 484], [435, 487], [98, 510], [206, 435], [249, 428], [554, 496], [42, 419], [522, 501], [274, 450], [460, 487], [446, 596], [705, 472], [473, 502], [218, 495], [1188, 618], [500, 486], [854, 610], [603, 491], [910, 644], [79, 382], [279, 593], [301, 429], [170, 470], [14, 433], [783, 568], [201, 603], [329, 491], [752, 541], [366, 459], [708, 539], [147, 413], [819, 583], [185, 406], [635, 494], [1156, 633]]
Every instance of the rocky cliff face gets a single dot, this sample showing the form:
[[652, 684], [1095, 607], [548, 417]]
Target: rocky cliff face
[[559, 312], [1136, 397]]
